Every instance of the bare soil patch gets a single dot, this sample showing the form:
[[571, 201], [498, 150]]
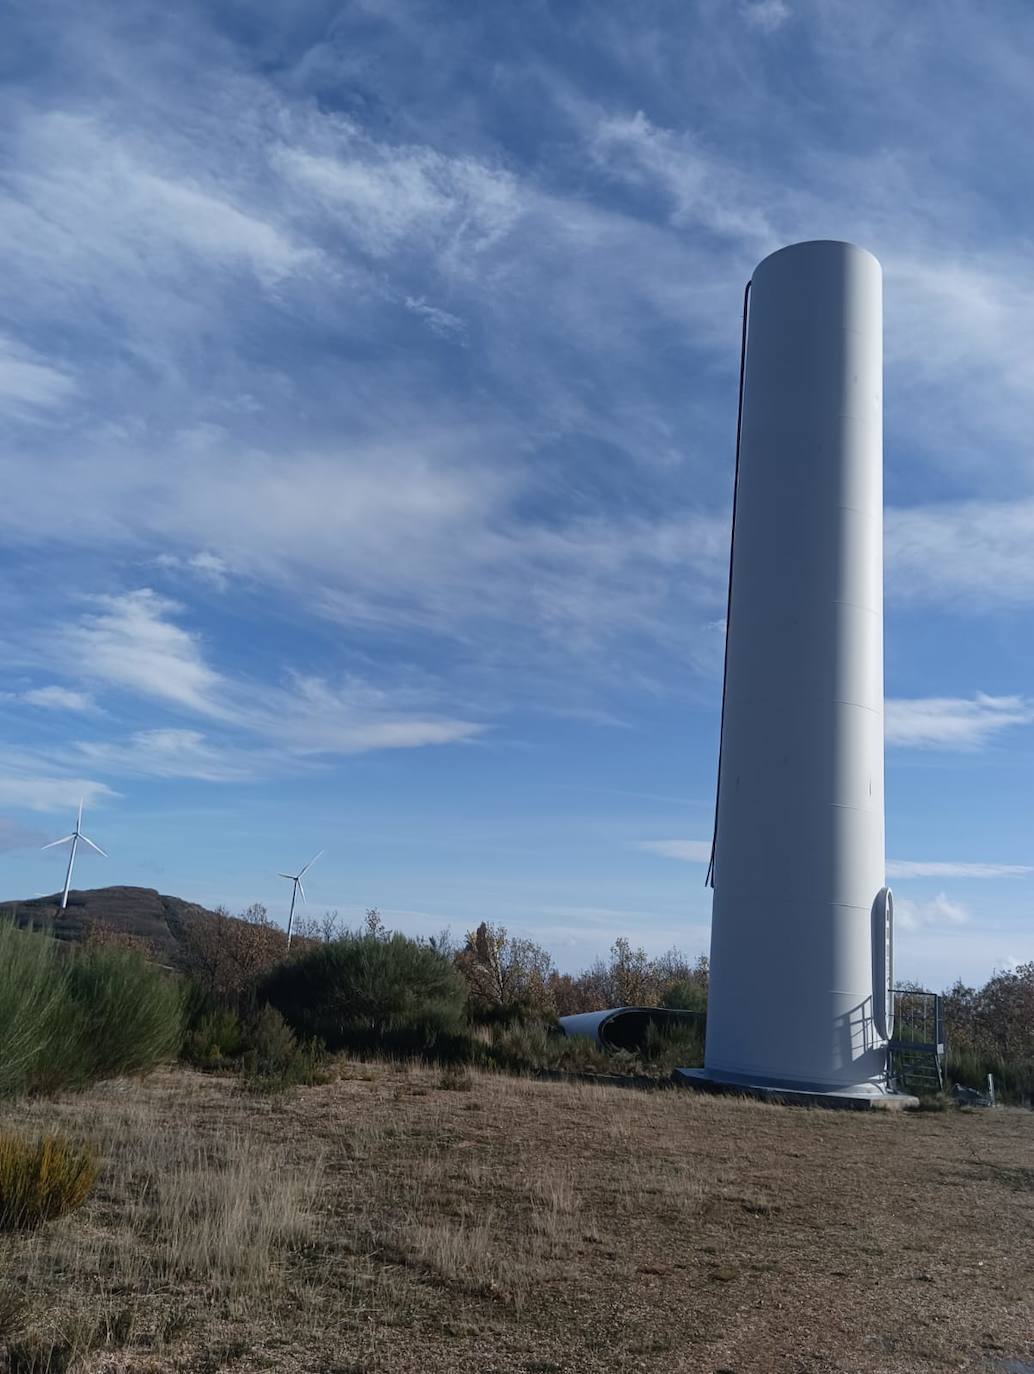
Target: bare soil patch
[[401, 1220]]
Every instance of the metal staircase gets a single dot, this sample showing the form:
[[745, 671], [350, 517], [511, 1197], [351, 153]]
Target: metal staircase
[[915, 1059]]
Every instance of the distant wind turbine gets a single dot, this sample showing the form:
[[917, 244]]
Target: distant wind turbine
[[296, 878], [75, 837]]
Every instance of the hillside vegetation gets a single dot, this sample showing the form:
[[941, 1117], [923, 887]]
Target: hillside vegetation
[[490, 1000]]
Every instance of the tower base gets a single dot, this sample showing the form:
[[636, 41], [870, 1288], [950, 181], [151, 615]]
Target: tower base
[[844, 1099]]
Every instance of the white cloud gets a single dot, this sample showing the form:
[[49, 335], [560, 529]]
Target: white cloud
[[959, 723], [56, 698], [767, 15], [30, 792], [705, 191], [689, 851], [440, 322], [315, 717], [384, 195], [938, 911], [29, 383], [169, 753], [417, 529], [204, 224], [134, 645], [71, 169], [977, 553], [917, 868], [131, 643], [206, 566]]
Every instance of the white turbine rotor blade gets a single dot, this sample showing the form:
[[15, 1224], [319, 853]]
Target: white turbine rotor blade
[[79, 818], [63, 840], [92, 845], [301, 889], [286, 875], [311, 862]]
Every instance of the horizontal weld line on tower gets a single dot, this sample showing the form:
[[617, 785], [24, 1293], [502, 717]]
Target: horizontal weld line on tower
[[796, 903]]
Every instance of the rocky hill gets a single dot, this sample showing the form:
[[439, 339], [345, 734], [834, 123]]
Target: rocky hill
[[138, 911]]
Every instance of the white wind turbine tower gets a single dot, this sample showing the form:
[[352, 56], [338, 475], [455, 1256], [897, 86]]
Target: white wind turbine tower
[[75, 837], [296, 878]]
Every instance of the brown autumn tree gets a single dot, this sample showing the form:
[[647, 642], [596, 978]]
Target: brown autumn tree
[[504, 973], [226, 955]]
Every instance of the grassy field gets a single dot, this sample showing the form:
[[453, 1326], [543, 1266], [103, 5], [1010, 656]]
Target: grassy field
[[399, 1219]]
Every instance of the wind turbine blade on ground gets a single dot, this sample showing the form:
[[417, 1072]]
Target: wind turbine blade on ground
[[92, 845], [63, 840], [311, 862]]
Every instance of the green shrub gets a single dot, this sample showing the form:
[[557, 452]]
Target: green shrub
[[685, 995], [542, 1046], [368, 993], [1014, 1078], [272, 1058], [33, 1005], [666, 1048], [214, 1035], [71, 1015], [41, 1180], [127, 1014]]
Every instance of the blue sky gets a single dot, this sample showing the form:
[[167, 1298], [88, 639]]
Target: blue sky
[[367, 378]]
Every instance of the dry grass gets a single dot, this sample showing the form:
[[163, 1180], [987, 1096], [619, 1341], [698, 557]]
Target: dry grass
[[386, 1222]]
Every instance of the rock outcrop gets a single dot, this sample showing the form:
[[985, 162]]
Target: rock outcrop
[[140, 912]]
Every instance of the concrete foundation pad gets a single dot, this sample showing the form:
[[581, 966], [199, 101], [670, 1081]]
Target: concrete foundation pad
[[702, 1081]]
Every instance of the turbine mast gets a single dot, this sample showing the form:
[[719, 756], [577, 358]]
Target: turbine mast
[[68, 874], [75, 837]]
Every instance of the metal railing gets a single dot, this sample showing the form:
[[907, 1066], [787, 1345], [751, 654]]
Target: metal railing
[[918, 1019], [916, 1049]]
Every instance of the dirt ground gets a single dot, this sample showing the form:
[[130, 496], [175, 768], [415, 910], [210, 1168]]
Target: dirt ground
[[398, 1221]]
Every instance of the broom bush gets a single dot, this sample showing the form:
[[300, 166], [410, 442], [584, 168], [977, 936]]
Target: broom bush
[[127, 1014], [33, 1006], [69, 1016], [41, 1180]]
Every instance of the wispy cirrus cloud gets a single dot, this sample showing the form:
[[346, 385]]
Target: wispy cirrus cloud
[[208, 567], [961, 723], [31, 383], [30, 790], [135, 644], [966, 554], [169, 753], [441, 322], [132, 642], [69, 168], [939, 911], [767, 15], [699, 852], [56, 698], [918, 868], [384, 194], [689, 851]]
